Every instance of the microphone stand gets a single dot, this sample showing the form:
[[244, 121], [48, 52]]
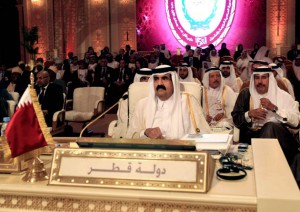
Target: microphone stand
[[98, 117]]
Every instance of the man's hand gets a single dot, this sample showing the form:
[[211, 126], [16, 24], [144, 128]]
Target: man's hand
[[267, 104], [258, 113], [219, 116], [153, 133]]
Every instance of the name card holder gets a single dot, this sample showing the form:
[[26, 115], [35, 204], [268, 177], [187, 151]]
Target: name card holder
[[132, 169]]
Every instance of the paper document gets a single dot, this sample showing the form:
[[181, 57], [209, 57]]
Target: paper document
[[220, 142]]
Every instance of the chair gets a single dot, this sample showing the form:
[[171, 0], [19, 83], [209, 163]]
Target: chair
[[87, 103], [227, 58], [139, 90], [192, 88], [58, 120]]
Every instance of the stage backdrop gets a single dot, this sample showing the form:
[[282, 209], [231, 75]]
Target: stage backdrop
[[199, 23]]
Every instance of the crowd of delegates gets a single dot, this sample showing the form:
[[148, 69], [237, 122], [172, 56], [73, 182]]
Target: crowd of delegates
[[233, 93]]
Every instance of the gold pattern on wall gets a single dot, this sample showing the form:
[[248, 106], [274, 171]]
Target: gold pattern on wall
[[278, 24]]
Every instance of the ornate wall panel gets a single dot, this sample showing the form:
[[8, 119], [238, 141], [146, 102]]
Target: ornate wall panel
[[98, 13], [279, 20], [58, 18], [123, 24]]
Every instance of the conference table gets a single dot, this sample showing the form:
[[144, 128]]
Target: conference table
[[270, 186]]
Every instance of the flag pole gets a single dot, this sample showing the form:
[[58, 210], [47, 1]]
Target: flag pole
[[36, 170]]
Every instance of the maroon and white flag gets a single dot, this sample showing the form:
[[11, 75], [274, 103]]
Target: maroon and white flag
[[23, 132]]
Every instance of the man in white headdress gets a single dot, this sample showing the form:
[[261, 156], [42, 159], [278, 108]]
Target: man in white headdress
[[120, 128], [279, 75], [16, 82], [166, 113], [218, 99], [185, 74], [166, 52], [264, 111], [263, 54], [296, 81], [230, 79], [214, 58], [242, 65]]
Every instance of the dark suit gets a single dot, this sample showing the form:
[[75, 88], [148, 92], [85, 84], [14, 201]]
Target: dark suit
[[53, 101], [192, 61], [122, 80], [103, 76]]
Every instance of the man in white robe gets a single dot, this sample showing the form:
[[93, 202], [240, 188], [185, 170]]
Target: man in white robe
[[230, 79], [166, 113], [242, 65], [279, 74], [263, 54], [296, 81], [185, 74], [218, 99]]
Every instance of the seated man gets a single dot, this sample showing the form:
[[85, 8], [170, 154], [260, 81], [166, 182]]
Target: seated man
[[259, 63], [120, 130], [185, 74], [50, 96], [279, 76], [16, 83], [230, 79], [264, 111], [166, 113], [218, 99]]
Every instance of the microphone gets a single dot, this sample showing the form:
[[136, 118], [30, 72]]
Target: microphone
[[124, 97]]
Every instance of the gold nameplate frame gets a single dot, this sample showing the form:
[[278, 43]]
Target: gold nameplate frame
[[132, 169]]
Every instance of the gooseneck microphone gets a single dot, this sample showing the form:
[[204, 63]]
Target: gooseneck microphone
[[124, 97]]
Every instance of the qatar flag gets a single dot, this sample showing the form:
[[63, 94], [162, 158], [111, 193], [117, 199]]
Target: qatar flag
[[23, 132]]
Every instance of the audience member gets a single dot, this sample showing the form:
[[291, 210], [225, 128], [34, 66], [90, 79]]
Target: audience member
[[185, 74], [263, 54], [128, 53], [242, 66], [16, 83], [223, 51], [254, 51], [293, 53], [214, 58], [165, 51], [278, 74], [238, 52], [230, 79], [50, 96], [187, 49], [191, 60], [218, 99]]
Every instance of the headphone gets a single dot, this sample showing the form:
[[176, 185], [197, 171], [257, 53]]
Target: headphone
[[231, 170]]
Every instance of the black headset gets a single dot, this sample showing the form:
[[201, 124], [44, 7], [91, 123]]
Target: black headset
[[231, 170]]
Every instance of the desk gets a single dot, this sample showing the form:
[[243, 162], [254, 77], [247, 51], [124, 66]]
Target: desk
[[264, 189]]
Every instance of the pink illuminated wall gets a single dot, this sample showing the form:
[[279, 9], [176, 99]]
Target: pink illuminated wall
[[247, 27]]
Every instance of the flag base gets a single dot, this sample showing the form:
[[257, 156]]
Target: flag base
[[36, 171]]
